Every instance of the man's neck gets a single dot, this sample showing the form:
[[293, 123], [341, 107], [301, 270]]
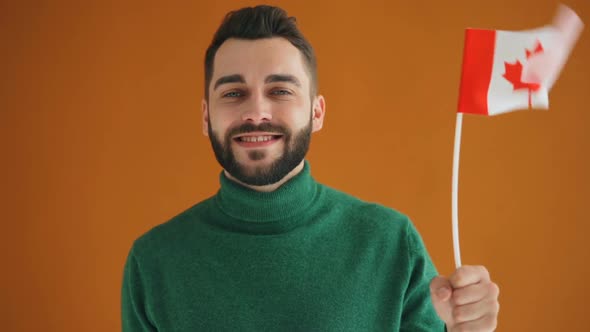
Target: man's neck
[[272, 186]]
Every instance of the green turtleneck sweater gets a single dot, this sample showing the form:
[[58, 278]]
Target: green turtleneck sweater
[[304, 257]]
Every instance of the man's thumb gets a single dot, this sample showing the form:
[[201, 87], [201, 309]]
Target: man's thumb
[[440, 289]]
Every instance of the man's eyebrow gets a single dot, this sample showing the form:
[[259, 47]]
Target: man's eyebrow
[[235, 78], [282, 78]]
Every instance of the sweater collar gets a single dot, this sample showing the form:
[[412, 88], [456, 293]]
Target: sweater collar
[[292, 198]]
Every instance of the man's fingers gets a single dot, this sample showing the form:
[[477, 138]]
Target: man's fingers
[[474, 293], [474, 311], [468, 275], [440, 288], [472, 302], [485, 323]]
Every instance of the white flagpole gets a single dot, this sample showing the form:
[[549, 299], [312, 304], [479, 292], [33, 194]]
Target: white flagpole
[[455, 190]]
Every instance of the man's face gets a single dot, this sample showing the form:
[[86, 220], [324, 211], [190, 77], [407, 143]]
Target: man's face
[[260, 114]]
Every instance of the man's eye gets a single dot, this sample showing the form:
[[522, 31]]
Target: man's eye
[[233, 94], [281, 92]]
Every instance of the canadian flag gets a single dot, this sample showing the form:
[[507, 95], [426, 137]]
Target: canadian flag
[[505, 71]]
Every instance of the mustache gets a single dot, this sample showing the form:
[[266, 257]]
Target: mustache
[[266, 127]]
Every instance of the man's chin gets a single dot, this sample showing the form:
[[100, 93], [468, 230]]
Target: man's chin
[[254, 161], [255, 178], [255, 168], [255, 172]]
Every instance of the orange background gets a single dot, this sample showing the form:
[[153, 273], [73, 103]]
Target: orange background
[[100, 141]]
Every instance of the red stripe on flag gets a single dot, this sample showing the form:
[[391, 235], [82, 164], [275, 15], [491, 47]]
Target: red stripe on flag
[[478, 61]]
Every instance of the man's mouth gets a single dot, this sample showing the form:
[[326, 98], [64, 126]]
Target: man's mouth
[[257, 140]]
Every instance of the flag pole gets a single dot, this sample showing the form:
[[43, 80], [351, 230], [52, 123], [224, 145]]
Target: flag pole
[[455, 190]]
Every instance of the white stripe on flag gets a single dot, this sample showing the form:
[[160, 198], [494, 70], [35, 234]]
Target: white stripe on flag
[[511, 47]]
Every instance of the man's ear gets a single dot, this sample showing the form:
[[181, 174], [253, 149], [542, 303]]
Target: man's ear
[[205, 117], [318, 113]]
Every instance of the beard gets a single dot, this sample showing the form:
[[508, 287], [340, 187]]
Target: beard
[[295, 148]]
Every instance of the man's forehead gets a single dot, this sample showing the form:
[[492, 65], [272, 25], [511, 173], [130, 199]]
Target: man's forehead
[[256, 59]]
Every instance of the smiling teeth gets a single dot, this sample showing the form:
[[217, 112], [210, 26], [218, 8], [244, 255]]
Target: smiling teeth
[[255, 138]]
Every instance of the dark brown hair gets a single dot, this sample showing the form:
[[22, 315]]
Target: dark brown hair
[[256, 23]]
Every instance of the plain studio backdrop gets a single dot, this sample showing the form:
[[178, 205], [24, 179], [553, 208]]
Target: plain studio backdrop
[[101, 140]]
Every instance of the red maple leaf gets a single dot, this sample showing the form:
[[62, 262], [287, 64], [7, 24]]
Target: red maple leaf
[[538, 49], [513, 73]]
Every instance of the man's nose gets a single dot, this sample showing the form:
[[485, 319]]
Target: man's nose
[[258, 109]]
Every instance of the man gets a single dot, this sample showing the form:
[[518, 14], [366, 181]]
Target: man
[[274, 250]]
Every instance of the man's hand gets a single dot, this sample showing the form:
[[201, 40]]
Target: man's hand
[[467, 300]]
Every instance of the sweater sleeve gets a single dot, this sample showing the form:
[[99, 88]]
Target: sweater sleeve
[[133, 314], [418, 313]]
